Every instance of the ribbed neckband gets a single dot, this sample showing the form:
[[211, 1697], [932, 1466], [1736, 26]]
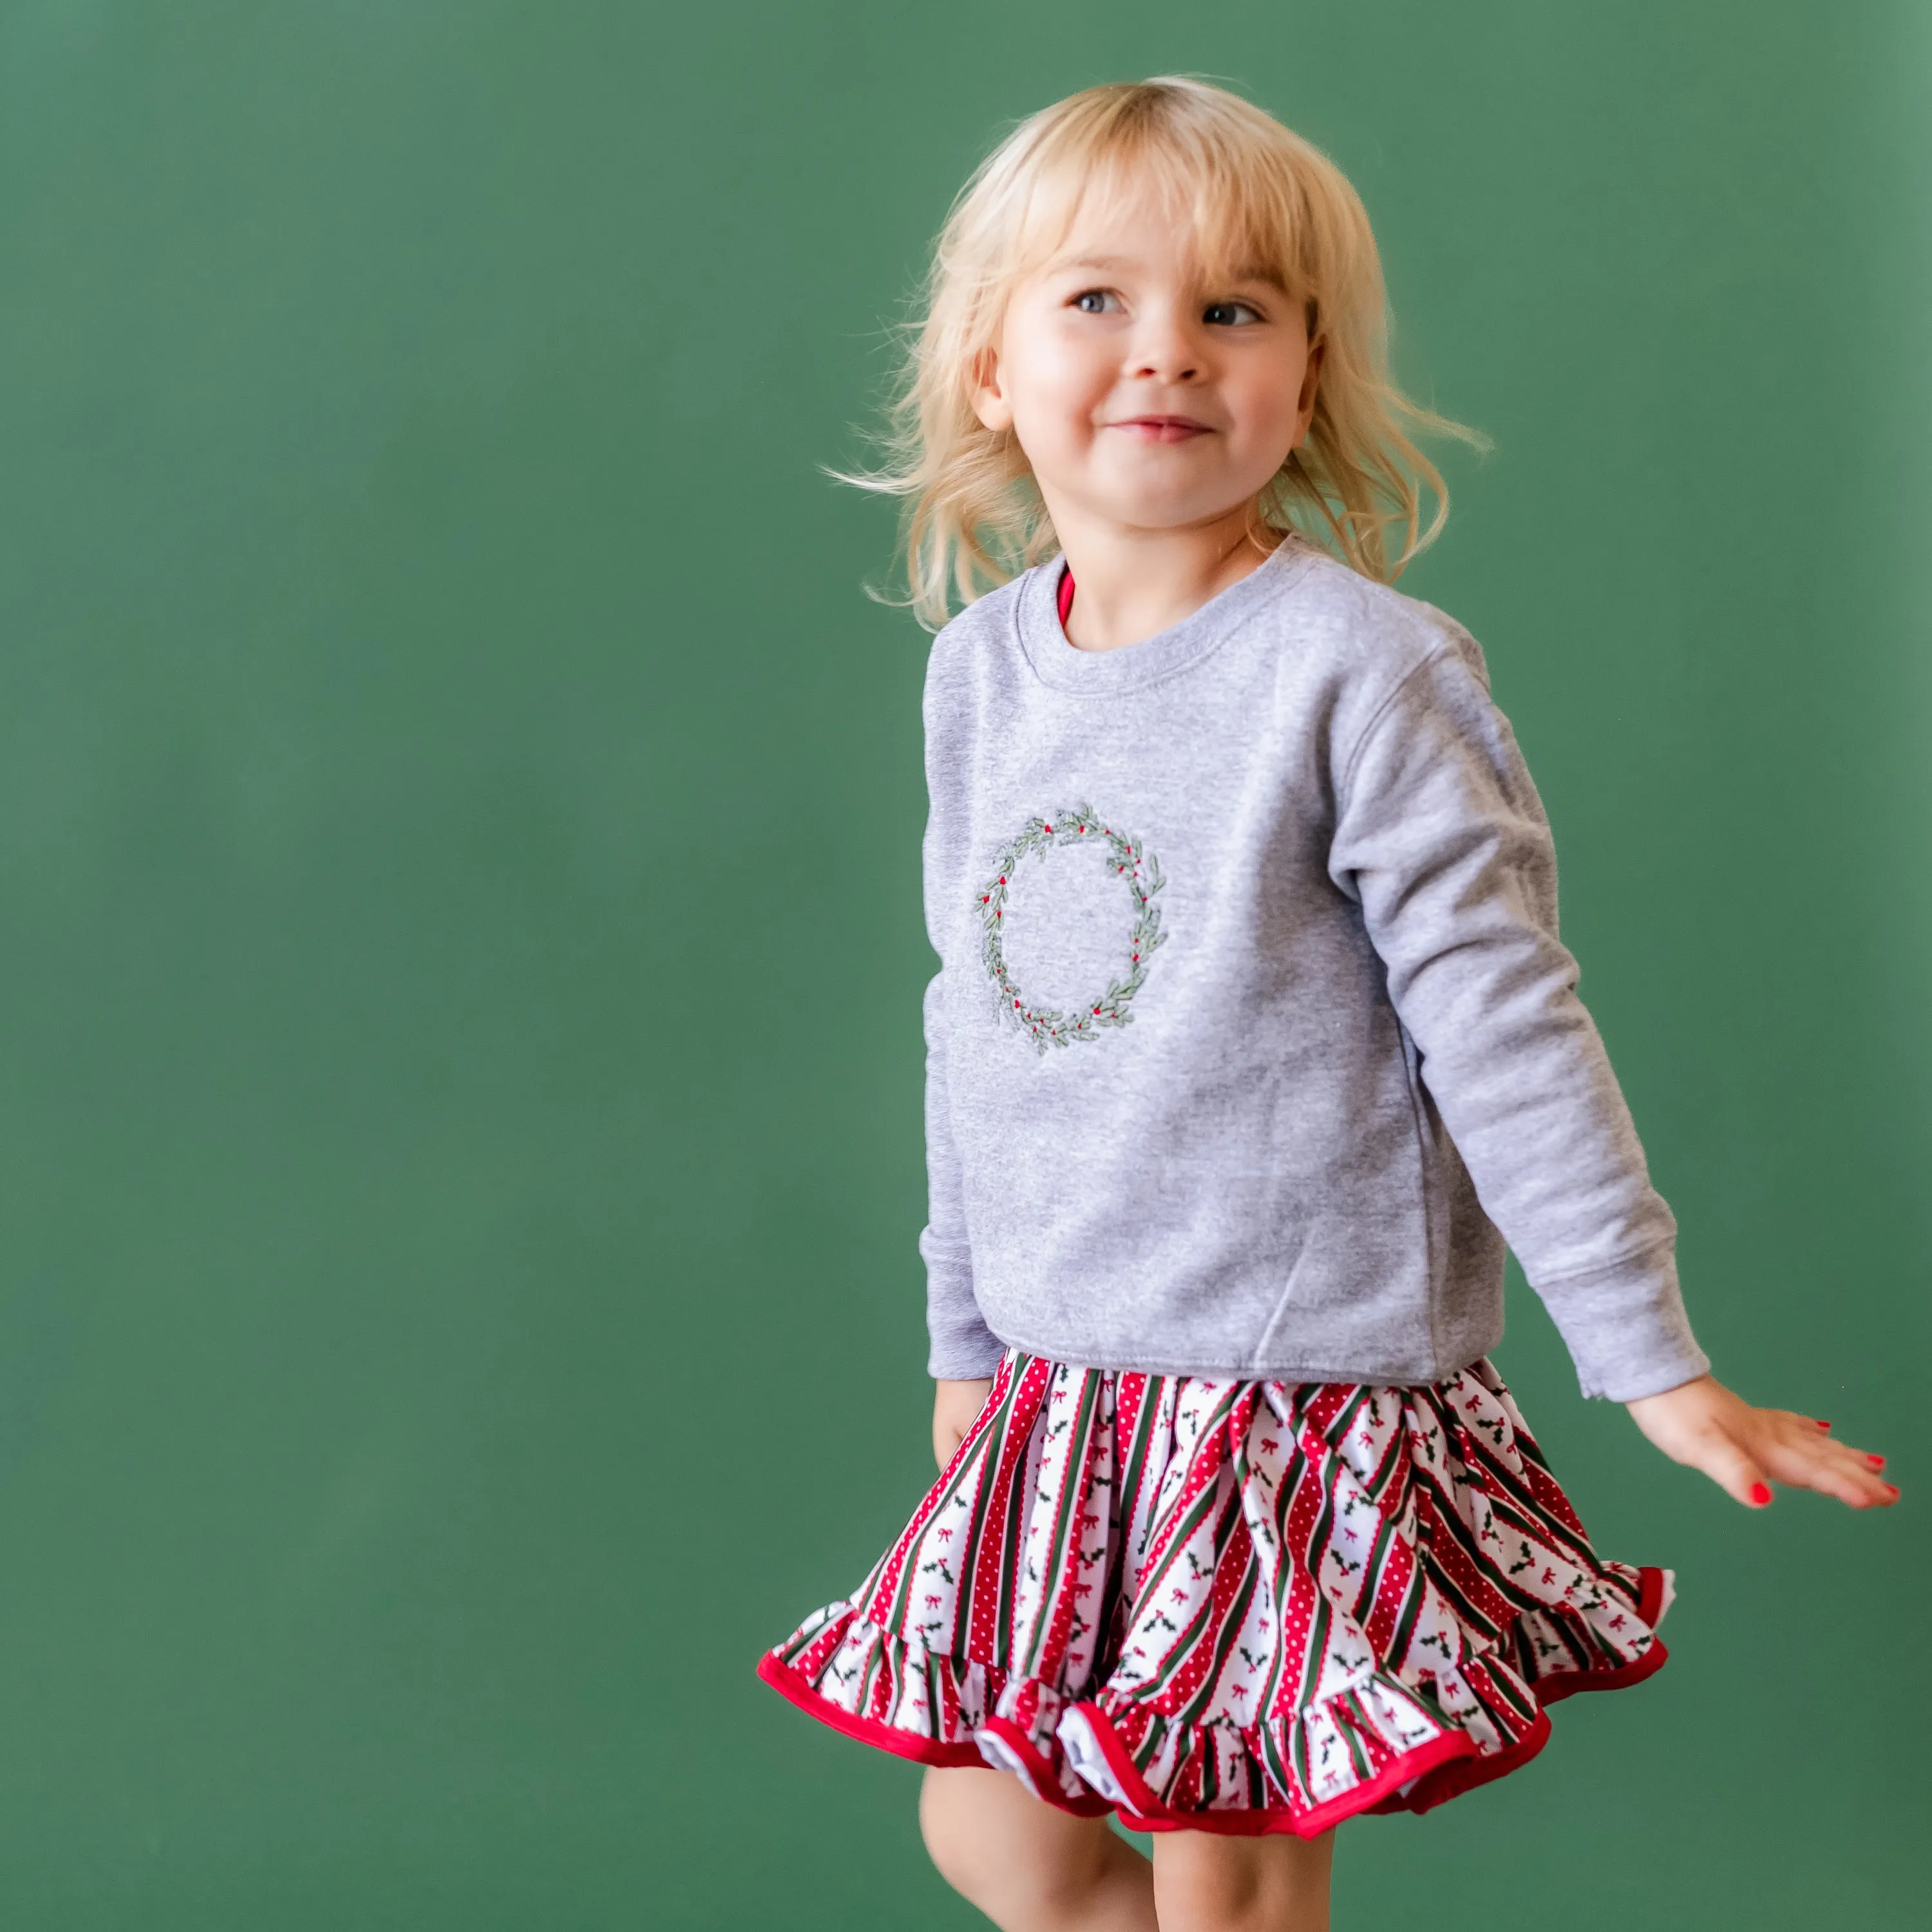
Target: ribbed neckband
[[1133, 667]]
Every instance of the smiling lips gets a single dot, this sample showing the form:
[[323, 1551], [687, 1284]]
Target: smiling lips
[[1162, 429]]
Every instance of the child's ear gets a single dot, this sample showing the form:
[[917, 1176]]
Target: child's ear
[[989, 401], [1305, 404]]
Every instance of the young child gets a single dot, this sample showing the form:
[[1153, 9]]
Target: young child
[[1252, 1044]]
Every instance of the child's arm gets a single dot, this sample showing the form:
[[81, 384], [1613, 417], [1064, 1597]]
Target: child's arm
[[1441, 840], [965, 1352], [964, 1349], [962, 1345], [1744, 1450]]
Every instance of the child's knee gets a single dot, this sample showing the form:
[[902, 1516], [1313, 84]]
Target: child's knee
[[956, 1841], [1018, 1860], [1231, 1884], [1205, 1891]]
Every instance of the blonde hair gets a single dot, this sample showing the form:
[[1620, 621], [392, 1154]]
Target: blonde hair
[[1262, 199]]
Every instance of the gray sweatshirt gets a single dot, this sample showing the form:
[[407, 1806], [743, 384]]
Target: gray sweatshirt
[[1253, 1041]]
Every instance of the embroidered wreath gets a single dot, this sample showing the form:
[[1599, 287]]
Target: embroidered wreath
[[1131, 862]]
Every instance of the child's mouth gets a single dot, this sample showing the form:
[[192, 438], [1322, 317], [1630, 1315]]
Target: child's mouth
[[1163, 429]]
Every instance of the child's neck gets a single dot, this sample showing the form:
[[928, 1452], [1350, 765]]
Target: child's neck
[[1131, 583]]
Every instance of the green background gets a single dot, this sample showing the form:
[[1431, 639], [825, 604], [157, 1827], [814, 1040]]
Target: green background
[[460, 1153]]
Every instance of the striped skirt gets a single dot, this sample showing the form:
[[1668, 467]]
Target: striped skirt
[[1241, 1607]]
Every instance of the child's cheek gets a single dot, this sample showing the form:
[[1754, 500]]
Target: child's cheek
[[1057, 423]]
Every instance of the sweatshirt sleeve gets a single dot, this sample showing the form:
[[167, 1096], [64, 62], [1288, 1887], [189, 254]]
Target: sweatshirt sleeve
[[1442, 841], [963, 1347]]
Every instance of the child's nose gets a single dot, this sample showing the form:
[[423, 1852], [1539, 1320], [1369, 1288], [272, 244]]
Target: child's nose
[[1164, 350], [1168, 358]]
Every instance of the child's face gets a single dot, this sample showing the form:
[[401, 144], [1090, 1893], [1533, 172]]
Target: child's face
[[1144, 396]]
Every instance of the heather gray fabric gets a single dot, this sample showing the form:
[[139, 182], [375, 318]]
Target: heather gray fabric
[[1354, 1052]]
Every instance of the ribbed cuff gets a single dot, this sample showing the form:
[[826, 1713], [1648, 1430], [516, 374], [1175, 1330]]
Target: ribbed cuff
[[1626, 1327], [963, 1348], [965, 1358]]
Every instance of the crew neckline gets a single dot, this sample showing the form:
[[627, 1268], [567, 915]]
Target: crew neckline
[[1057, 660]]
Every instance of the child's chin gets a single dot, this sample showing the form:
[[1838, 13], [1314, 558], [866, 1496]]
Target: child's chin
[[1157, 509]]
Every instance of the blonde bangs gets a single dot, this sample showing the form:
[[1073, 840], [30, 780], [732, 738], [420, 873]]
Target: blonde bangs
[[1260, 200]]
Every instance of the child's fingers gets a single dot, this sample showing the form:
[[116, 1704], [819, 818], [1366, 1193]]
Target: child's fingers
[[1832, 1469]]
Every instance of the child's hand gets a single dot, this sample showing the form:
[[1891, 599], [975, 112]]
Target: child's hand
[[955, 1407], [1703, 1424]]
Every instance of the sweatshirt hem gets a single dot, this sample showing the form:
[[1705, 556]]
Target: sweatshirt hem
[[1159, 1362]]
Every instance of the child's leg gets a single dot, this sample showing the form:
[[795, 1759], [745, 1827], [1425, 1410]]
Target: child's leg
[[1203, 1882], [1027, 1866]]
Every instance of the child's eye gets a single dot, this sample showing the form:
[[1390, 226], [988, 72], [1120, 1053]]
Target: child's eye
[[1095, 301], [1234, 313]]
